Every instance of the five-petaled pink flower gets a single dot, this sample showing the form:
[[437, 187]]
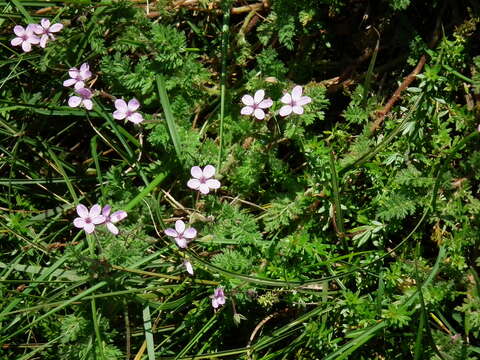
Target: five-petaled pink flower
[[294, 102], [202, 180], [256, 104], [88, 219], [45, 30], [78, 77], [181, 235], [83, 99], [218, 298], [127, 111], [188, 266], [110, 220], [25, 37]]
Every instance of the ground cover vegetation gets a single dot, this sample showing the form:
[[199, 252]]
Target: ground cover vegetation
[[276, 179]]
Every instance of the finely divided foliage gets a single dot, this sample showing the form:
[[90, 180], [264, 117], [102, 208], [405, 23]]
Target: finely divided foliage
[[231, 212]]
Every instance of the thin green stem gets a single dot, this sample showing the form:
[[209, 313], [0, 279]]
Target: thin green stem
[[93, 305], [147, 190], [336, 198], [223, 80]]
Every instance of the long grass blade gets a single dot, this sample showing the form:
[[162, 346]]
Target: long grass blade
[[167, 109]]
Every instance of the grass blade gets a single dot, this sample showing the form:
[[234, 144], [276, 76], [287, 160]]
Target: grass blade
[[22, 11], [167, 109], [147, 324], [223, 78]]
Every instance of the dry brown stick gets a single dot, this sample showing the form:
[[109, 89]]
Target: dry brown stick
[[396, 95], [260, 325], [247, 8], [192, 5], [412, 76]]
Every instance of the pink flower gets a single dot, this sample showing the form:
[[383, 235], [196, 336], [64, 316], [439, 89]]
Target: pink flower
[[218, 298], [127, 111], [46, 31], [112, 219], [256, 104], [88, 219], [25, 37], [181, 235], [78, 77], [202, 179], [294, 102], [83, 99], [188, 266]]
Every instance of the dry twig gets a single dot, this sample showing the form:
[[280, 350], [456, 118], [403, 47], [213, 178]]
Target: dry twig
[[396, 95]]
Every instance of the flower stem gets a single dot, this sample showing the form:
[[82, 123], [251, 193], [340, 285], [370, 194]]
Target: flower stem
[[223, 79], [93, 305]]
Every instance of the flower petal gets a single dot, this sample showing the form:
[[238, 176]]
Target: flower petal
[[79, 223], [85, 93], [208, 171], [179, 226], [285, 110], [89, 228], [16, 41], [84, 67], [118, 216], [74, 101], [247, 110], [100, 219], [181, 242], [82, 211], [196, 172], [190, 233], [39, 30], [258, 97], [259, 114], [43, 41], [34, 40], [265, 104], [221, 300], [73, 73], [112, 228], [121, 105], [204, 189], [171, 232], [88, 104], [85, 72], [133, 104], [26, 46], [95, 211], [214, 303], [106, 210], [45, 23], [56, 27], [19, 30], [298, 110], [79, 84], [193, 184], [136, 118], [304, 100], [69, 82], [119, 114], [246, 99], [297, 93], [188, 266], [286, 99], [213, 183]]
